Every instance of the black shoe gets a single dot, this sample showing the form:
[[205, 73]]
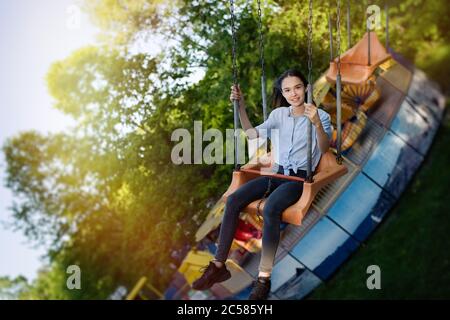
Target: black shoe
[[211, 275], [261, 289]]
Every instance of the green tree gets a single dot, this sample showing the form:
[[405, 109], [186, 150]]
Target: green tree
[[12, 289]]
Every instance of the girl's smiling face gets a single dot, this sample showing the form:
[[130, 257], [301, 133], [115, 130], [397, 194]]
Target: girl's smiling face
[[293, 90]]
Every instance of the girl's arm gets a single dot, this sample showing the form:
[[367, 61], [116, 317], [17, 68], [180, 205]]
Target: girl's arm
[[236, 94], [322, 137]]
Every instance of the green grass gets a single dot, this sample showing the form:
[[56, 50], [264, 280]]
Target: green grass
[[412, 245]]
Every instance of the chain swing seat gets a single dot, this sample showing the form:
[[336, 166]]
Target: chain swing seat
[[359, 62], [326, 172]]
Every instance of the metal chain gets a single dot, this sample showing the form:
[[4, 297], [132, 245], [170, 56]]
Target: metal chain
[[349, 31], [310, 43], [339, 159], [235, 82], [261, 39], [261, 58], [263, 94], [309, 173], [386, 10], [339, 36], [234, 44]]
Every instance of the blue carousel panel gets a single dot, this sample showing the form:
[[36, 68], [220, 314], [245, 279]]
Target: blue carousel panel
[[388, 104], [424, 92], [361, 207], [414, 128], [425, 111], [291, 280], [324, 248], [392, 164]]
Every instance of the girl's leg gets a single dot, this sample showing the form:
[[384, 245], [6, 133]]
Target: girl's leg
[[238, 200], [280, 199]]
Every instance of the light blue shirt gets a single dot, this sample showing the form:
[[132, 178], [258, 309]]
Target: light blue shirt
[[289, 138]]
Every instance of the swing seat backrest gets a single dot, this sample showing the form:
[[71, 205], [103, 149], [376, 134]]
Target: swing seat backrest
[[354, 63]]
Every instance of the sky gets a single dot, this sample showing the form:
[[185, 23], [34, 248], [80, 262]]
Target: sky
[[33, 35]]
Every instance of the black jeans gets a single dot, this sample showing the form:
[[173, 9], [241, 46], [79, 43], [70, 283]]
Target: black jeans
[[282, 194]]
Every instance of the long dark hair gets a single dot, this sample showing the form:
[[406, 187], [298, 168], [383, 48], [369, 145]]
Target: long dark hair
[[277, 97]]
